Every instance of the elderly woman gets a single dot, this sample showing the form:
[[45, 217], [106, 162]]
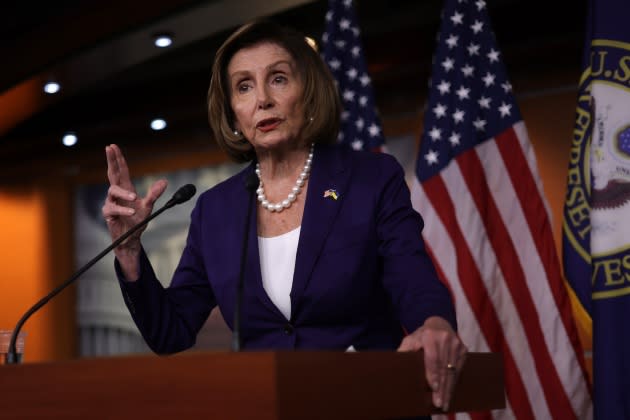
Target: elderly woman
[[335, 257]]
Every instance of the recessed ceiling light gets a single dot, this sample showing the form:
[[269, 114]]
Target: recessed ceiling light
[[69, 139], [158, 124], [52, 87], [163, 40]]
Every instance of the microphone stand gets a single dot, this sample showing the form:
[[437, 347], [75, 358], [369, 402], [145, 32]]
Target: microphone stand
[[183, 194], [251, 184]]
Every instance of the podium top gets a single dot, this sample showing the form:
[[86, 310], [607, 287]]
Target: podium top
[[261, 385]]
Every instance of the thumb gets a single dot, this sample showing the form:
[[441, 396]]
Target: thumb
[[155, 191]]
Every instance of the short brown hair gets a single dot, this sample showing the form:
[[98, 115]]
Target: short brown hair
[[320, 97]]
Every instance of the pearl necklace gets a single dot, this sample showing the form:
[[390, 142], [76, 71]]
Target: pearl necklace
[[297, 188]]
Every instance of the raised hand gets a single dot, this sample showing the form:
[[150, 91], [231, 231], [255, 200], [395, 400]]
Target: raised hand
[[123, 208]]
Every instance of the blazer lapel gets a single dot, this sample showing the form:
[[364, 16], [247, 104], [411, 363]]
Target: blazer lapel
[[327, 174]]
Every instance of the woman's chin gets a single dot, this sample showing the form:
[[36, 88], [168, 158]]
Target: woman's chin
[[274, 141]]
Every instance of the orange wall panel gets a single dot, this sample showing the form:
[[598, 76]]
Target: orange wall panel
[[31, 260]]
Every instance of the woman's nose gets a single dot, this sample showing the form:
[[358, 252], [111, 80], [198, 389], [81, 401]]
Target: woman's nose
[[264, 99]]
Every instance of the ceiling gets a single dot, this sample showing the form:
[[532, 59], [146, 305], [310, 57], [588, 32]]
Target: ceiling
[[114, 81]]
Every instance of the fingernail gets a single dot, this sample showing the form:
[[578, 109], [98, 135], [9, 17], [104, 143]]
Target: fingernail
[[132, 196], [131, 211], [438, 402], [435, 386]]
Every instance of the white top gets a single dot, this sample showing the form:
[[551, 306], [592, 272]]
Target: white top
[[277, 264]]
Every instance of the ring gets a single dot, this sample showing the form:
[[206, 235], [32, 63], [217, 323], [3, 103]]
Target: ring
[[450, 366]]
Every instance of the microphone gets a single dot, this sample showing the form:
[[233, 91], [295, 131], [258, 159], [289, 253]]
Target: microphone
[[251, 184], [181, 195]]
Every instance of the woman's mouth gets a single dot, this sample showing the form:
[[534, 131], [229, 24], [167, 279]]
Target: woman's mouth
[[268, 124]]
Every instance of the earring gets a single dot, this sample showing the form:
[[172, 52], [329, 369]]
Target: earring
[[237, 133], [310, 119]]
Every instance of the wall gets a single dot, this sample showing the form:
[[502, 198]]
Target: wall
[[36, 256]]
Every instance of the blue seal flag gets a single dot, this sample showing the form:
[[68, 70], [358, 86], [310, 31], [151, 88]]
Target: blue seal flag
[[596, 226]]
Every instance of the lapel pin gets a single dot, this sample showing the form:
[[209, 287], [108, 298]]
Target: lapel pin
[[332, 194]]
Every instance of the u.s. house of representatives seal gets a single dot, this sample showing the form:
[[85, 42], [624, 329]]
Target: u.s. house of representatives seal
[[610, 168]]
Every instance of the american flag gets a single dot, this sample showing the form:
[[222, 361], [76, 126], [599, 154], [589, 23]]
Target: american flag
[[360, 124], [487, 224]]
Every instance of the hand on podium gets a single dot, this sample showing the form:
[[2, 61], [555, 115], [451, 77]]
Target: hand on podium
[[444, 356]]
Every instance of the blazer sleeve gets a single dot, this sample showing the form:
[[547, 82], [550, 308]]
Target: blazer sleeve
[[409, 275], [170, 318]]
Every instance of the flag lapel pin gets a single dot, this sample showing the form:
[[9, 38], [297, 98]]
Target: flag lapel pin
[[331, 194]]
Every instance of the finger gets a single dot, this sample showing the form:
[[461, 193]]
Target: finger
[[113, 210], [117, 192], [450, 373], [155, 191], [117, 169], [441, 375], [410, 343], [457, 357], [113, 172], [432, 365], [125, 178]]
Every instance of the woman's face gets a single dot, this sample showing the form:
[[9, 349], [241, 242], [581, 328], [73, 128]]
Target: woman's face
[[266, 96]]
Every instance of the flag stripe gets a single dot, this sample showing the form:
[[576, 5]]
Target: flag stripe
[[445, 249], [466, 319], [564, 344], [498, 296], [530, 156], [537, 221], [511, 150], [476, 293], [558, 345], [513, 272]]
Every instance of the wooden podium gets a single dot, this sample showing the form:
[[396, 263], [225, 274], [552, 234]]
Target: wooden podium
[[247, 385]]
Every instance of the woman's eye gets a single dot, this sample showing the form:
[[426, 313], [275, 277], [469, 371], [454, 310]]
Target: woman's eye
[[279, 79], [243, 87]]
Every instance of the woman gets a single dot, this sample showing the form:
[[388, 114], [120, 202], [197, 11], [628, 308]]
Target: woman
[[335, 257]]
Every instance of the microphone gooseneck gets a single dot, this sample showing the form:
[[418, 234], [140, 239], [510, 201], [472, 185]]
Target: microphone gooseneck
[[181, 195], [251, 184]]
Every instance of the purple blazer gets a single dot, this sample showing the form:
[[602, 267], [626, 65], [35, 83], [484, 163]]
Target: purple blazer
[[362, 274]]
